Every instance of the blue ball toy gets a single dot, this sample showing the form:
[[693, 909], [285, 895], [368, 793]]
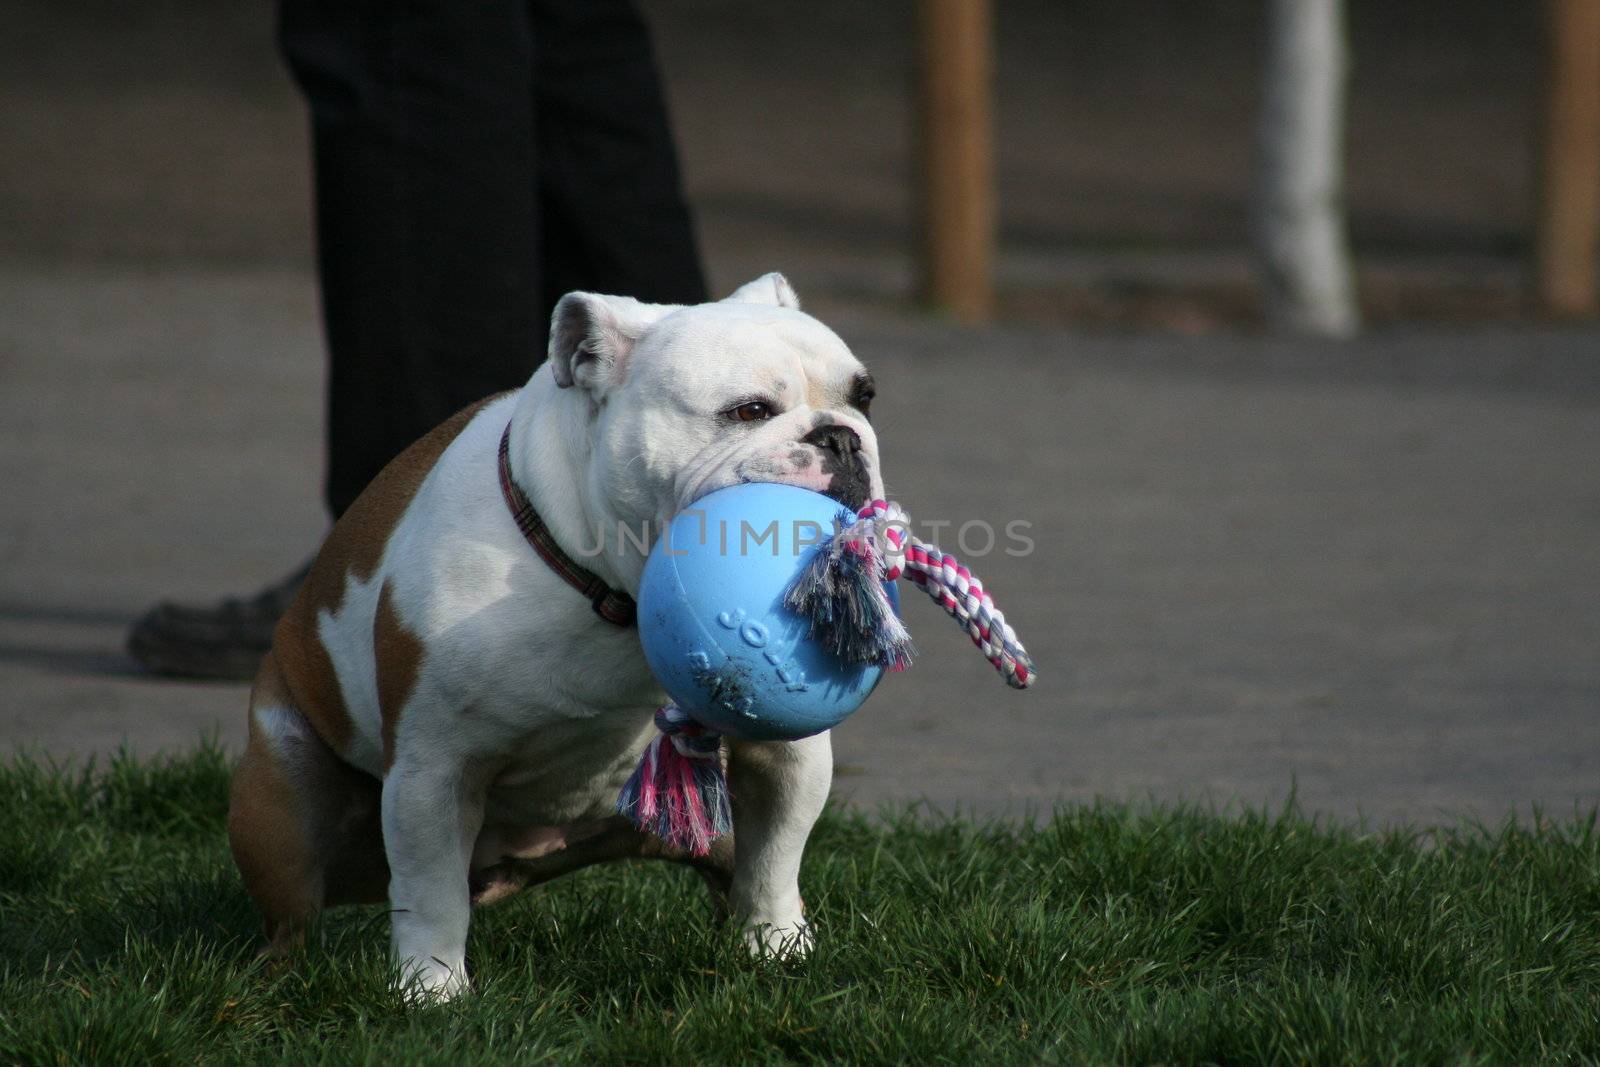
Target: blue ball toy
[[714, 626]]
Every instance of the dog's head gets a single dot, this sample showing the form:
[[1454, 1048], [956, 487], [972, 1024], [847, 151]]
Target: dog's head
[[685, 400]]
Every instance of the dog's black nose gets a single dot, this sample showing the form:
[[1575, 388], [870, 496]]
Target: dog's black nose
[[842, 441], [842, 458]]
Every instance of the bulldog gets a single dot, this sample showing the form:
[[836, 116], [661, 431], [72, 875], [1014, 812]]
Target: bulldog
[[457, 694]]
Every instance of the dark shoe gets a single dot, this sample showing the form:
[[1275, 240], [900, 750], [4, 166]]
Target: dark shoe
[[225, 640]]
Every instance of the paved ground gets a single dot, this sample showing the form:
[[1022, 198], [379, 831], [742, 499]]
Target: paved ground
[[1373, 572], [1368, 571]]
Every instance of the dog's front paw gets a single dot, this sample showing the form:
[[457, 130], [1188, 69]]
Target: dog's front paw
[[779, 940], [430, 981]]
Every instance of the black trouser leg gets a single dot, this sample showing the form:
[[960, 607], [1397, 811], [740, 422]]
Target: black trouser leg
[[427, 225], [610, 195], [432, 122]]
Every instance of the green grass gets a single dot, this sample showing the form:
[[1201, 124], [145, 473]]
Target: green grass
[[1101, 935]]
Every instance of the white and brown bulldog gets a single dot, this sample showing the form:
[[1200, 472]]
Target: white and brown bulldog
[[445, 717]]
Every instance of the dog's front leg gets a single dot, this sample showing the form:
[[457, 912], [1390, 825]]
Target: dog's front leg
[[778, 789], [431, 817]]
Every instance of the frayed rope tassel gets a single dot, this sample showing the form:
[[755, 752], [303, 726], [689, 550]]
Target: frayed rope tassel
[[841, 591], [679, 792]]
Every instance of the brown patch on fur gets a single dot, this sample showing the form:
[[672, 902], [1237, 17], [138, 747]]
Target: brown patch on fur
[[354, 547], [304, 826], [398, 652], [270, 842]]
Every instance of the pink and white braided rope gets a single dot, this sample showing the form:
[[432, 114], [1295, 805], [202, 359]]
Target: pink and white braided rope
[[953, 587]]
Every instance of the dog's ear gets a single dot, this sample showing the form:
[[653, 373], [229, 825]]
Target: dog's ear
[[592, 335], [772, 289]]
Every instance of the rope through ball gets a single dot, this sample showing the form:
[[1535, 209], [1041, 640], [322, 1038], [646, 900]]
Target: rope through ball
[[679, 790]]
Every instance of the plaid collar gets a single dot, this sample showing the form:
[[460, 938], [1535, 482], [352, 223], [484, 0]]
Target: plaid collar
[[612, 605]]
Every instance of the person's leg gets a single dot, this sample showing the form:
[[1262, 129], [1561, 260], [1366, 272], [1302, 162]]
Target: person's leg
[[612, 204], [427, 253], [427, 222], [433, 166]]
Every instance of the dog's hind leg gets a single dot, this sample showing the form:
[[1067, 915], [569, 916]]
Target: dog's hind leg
[[616, 839], [303, 825]]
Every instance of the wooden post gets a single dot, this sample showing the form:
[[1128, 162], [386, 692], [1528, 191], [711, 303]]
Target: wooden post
[[956, 155], [1568, 254]]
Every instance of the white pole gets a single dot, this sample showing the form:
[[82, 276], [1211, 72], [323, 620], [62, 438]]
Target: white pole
[[1304, 257]]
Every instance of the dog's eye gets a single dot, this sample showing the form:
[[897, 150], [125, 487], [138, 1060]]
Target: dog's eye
[[862, 390], [750, 411]]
